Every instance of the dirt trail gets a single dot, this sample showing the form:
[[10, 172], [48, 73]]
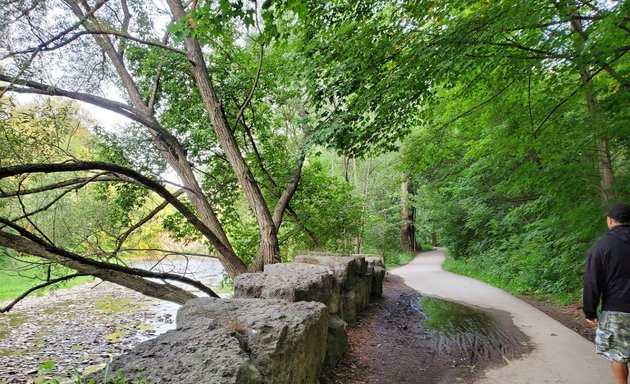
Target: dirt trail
[[559, 356]]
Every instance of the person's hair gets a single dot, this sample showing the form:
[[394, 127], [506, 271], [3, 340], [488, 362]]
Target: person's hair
[[623, 218]]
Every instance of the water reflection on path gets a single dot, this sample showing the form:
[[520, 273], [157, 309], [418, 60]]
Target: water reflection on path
[[473, 334]]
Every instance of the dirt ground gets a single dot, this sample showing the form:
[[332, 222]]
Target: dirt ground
[[389, 345]]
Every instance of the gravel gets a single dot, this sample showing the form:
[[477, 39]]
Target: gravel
[[78, 329]]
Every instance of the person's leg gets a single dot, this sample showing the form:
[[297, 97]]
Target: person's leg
[[620, 370]]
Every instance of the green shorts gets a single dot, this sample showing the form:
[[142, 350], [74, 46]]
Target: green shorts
[[612, 338]]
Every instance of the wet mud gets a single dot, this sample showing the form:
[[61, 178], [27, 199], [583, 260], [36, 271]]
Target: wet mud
[[407, 338], [470, 334]]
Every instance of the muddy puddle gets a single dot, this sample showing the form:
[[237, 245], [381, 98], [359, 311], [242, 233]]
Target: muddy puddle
[[471, 334]]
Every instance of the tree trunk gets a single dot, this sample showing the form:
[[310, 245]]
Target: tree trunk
[[269, 249], [607, 181], [434, 241], [170, 148], [408, 228], [359, 239]]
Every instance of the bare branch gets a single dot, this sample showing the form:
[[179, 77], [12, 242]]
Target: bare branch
[[156, 81], [471, 110], [134, 278], [567, 98], [121, 239], [44, 89], [288, 193], [126, 36], [47, 206], [169, 252], [45, 43], [106, 176]]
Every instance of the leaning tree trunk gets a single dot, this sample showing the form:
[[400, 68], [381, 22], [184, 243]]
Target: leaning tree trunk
[[101, 270], [269, 250], [170, 148]]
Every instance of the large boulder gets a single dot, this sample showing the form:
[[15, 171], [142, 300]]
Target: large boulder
[[203, 354], [286, 341], [353, 278], [291, 282]]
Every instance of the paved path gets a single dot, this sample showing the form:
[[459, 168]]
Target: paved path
[[559, 356]]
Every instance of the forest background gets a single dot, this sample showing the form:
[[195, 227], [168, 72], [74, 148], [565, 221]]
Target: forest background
[[499, 130]]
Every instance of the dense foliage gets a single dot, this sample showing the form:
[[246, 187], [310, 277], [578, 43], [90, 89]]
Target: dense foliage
[[501, 128]]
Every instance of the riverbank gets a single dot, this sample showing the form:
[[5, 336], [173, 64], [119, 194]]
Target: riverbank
[[78, 329], [81, 327]]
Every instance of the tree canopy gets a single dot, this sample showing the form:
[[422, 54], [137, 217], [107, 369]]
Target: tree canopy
[[504, 122]]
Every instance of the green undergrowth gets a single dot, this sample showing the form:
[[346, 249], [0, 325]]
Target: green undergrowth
[[45, 375], [395, 258], [512, 283]]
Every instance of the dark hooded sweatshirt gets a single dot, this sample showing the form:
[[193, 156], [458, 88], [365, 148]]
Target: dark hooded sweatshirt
[[607, 275]]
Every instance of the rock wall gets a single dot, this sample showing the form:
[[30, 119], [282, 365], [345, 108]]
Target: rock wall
[[281, 327]]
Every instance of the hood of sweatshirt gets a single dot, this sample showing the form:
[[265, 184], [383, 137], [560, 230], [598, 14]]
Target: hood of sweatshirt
[[621, 232]]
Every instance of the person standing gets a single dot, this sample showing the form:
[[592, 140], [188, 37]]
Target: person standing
[[607, 281]]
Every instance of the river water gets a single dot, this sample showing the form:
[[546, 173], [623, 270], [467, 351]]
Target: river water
[[76, 330]]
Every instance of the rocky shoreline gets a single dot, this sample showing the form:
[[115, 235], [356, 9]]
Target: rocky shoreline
[[78, 329]]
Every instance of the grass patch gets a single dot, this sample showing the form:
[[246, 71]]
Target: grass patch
[[393, 259], [18, 276]]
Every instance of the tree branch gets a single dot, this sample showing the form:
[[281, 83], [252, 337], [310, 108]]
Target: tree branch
[[138, 177], [288, 193], [44, 89], [66, 183], [555, 108], [43, 44], [248, 99], [134, 278], [471, 110], [121, 239], [8, 307]]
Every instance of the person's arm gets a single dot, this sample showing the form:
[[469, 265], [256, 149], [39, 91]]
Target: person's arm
[[594, 280]]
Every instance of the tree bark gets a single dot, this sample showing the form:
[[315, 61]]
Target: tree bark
[[269, 247], [408, 229]]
